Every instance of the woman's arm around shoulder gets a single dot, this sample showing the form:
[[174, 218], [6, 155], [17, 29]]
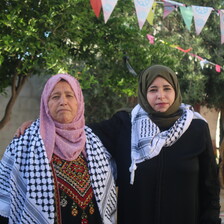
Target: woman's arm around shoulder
[[108, 130]]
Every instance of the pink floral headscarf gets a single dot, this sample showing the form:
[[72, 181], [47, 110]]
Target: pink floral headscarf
[[65, 140]]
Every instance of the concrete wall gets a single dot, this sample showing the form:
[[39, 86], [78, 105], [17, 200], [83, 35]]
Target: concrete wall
[[25, 108], [211, 115]]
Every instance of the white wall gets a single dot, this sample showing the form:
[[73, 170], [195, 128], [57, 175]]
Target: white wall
[[25, 108]]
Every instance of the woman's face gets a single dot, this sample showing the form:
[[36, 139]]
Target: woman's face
[[62, 103], [160, 94]]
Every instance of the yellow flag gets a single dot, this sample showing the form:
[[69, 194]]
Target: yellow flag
[[151, 14]]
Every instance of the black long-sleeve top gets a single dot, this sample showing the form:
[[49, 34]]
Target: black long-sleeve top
[[179, 186]]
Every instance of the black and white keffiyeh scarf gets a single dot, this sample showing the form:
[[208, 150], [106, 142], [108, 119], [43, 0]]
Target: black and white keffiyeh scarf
[[146, 138], [27, 183], [99, 163]]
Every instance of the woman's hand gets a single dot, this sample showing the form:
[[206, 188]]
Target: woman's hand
[[22, 128]]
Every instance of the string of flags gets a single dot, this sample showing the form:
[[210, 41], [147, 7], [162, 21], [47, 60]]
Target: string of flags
[[203, 61], [145, 10]]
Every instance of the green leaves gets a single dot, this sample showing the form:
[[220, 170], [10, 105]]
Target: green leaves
[[47, 37]]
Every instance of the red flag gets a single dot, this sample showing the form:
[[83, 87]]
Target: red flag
[[96, 5]]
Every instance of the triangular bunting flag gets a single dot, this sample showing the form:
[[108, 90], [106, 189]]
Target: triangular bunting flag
[[221, 12], [203, 63], [96, 6], [201, 15], [218, 68], [151, 14], [108, 7], [168, 8], [142, 8], [150, 38], [187, 14]]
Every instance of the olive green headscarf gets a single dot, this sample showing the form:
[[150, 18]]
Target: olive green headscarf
[[146, 78]]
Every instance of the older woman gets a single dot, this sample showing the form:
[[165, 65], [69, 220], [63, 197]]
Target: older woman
[[58, 171], [167, 172]]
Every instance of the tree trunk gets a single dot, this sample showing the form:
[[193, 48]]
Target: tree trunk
[[17, 84]]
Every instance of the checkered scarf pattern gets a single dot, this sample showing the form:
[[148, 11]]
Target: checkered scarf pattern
[[99, 163], [147, 140], [27, 184], [26, 181]]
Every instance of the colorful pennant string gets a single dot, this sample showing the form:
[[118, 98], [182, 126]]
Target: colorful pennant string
[[203, 61], [145, 10]]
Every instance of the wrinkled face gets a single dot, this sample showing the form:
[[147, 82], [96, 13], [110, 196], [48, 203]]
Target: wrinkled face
[[160, 94], [62, 103]]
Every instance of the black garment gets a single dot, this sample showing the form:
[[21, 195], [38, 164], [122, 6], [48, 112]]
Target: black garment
[[4, 220], [68, 218], [179, 186], [77, 200]]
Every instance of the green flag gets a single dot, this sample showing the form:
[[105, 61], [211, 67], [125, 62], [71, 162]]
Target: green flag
[[187, 14]]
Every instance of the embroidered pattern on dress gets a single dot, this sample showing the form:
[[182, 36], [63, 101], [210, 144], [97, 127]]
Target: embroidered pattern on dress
[[74, 181]]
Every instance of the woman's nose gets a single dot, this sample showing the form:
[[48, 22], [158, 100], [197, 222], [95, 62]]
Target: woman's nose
[[63, 100], [160, 94]]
